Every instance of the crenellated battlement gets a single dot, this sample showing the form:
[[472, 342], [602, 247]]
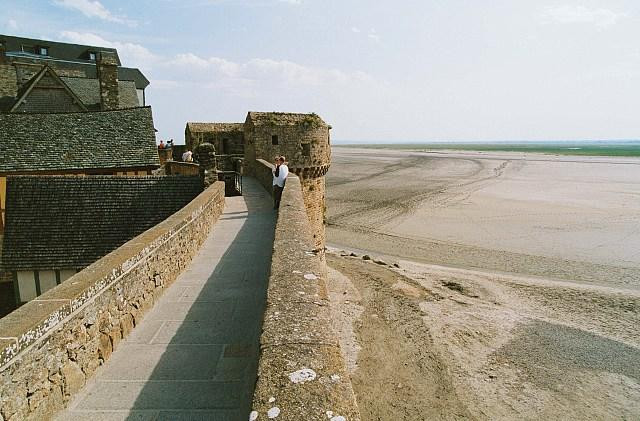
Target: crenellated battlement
[[310, 172]]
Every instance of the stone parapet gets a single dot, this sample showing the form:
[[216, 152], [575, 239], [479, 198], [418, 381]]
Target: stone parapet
[[181, 168], [263, 174], [313, 192], [302, 374], [52, 345]]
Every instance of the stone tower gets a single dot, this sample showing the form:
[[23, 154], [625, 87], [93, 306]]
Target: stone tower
[[304, 140], [108, 77]]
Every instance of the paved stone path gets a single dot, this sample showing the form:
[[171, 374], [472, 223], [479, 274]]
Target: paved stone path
[[194, 356]]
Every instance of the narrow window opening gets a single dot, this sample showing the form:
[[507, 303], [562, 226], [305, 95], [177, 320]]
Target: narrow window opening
[[306, 149], [274, 139]]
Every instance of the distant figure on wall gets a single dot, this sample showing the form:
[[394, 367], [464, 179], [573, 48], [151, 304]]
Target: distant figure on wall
[[187, 156], [280, 173], [170, 144], [161, 145]]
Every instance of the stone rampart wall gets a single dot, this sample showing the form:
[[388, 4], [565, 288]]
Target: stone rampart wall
[[52, 345], [181, 168], [262, 170], [313, 192], [8, 84], [300, 363]]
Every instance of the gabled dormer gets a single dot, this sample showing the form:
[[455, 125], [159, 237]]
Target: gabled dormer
[[46, 93]]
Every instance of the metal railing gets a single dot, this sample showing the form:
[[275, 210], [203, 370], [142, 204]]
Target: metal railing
[[232, 182]]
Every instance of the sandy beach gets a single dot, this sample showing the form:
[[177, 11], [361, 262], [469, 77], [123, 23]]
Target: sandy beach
[[573, 218], [517, 291]]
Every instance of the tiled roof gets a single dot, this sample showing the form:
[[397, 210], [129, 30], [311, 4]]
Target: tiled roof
[[215, 127], [283, 119], [76, 141], [88, 90], [55, 222], [39, 95]]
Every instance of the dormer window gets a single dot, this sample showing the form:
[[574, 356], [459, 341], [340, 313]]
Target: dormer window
[[92, 55]]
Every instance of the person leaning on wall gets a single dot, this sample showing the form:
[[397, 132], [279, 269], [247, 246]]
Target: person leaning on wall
[[280, 173]]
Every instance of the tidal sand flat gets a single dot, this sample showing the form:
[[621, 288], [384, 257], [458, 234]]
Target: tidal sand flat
[[518, 289], [573, 218]]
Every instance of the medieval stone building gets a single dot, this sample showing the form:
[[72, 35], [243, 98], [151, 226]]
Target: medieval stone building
[[45, 76], [66, 109], [227, 138], [304, 139]]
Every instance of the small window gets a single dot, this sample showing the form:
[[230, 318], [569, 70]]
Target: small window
[[43, 51], [274, 139], [306, 149], [92, 55]]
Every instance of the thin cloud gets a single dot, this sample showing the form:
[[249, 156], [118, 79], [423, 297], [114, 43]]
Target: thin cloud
[[132, 55], [93, 9], [567, 14], [246, 78], [355, 30]]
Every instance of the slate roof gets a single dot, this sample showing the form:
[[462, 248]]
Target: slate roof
[[78, 141], [70, 57], [88, 90], [215, 127], [58, 50], [283, 119], [51, 77], [57, 222]]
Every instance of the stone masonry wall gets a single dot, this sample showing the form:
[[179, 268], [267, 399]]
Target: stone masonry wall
[[52, 345], [313, 192], [8, 82], [108, 77], [300, 365], [292, 141], [308, 151]]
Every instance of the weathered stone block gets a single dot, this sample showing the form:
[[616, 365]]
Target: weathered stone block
[[73, 378], [104, 348], [116, 336], [38, 379], [13, 399], [126, 325]]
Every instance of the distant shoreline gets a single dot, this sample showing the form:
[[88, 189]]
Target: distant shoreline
[[590, 148]]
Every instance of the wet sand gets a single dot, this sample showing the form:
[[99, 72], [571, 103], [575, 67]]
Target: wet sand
[[574, 218], [518, 289]]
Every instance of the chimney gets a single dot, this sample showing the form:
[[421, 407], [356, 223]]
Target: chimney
[[108, 76]]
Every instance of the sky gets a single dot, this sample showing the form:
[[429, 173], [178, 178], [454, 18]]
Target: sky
[[394, 71]]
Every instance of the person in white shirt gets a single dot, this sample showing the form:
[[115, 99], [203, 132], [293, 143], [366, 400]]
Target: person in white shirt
[[187, 156], [280, 173]]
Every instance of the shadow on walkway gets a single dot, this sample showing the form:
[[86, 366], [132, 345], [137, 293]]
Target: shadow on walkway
[[195, 355]]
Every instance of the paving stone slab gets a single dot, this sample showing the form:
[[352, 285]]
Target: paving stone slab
[[195, 354], [158, 395]]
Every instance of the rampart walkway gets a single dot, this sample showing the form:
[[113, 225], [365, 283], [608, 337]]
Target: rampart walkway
[[195, 355]]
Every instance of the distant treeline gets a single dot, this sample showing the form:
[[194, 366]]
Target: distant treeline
[[628, 148]]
